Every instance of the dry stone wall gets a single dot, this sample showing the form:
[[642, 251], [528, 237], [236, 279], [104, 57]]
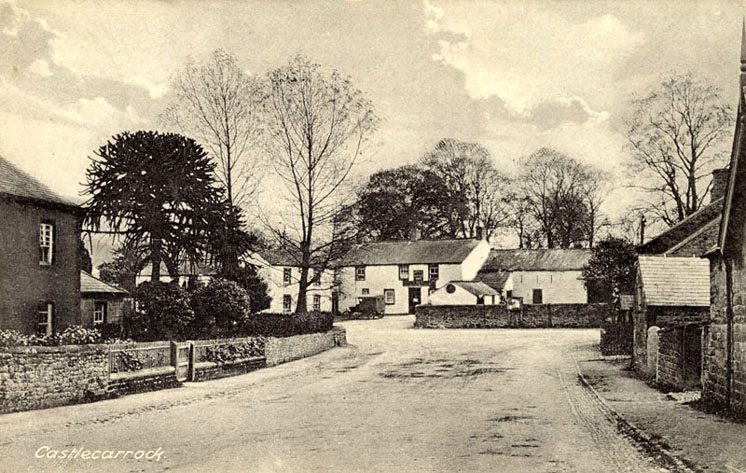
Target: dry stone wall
[[497, 316]]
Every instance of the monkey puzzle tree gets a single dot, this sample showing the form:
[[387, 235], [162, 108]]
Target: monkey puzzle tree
[[158, 190]]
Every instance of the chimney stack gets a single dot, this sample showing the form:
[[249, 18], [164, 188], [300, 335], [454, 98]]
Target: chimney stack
[[719, 184], [415, 234]]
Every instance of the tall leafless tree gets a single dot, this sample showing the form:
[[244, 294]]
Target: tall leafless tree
[[676, 135], [218, 105], [474, 182], [317, 125]]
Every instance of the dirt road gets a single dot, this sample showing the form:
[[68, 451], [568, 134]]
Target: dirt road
[[396, 400]]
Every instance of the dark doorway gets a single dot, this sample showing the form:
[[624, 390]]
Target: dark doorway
[[415, 298], [335, 303], [538, 297]]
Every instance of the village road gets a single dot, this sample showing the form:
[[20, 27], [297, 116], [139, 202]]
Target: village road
[[396, 400]]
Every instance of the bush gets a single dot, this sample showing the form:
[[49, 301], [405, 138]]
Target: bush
[[221, 308], [164, 312], [231, 352], [248, 278], [287, 325], [73, 335], [77, 335]]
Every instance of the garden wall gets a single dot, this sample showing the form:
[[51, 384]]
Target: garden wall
[[281, 350], [40, 377], [679, 358], [497, 316]]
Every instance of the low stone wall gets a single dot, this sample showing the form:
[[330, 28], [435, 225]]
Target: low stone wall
[[208, 370], [497, 316], [281, 350], [153, 379], [40, 377]]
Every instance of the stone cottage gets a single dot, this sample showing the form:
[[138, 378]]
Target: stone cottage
[[39, 255], [101, 303], [724, 379]]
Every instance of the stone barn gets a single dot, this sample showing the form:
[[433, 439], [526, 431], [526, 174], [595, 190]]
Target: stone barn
[[672, 296]]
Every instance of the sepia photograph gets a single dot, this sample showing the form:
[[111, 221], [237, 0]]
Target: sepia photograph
[[416, 236]]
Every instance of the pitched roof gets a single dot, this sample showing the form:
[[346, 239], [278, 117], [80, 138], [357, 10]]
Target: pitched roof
[[555, 259], [494, 279], [281, 257], [186, 268], [17, 183], [673, 240], [411, 252], [92, 284], [672, 281], [477, 288]]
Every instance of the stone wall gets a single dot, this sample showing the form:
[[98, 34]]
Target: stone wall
[[281, 350], [208, 370], [679, 358], [40, 377], [153, 379], [497, 316], [724, 377]]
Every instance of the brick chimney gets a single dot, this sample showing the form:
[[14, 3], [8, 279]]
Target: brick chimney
[[415, 234], [719, 184]]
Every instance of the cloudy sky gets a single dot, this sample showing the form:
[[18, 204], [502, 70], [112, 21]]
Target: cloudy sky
[[514, 76]]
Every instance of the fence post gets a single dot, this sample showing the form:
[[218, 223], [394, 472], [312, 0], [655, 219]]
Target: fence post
[[192, 359], [549, 315], [175, 356]]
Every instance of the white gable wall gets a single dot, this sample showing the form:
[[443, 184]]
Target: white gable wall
[[558, 287]]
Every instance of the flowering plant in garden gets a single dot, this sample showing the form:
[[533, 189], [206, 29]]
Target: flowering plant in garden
[[73, 335]]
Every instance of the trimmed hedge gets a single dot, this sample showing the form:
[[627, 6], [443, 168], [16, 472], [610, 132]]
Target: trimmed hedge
[[287, 325]]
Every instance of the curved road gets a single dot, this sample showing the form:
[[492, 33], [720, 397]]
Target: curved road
[[396, 400]]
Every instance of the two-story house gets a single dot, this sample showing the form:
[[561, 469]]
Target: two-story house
[[281, 269], [39, 255], [405, 273]]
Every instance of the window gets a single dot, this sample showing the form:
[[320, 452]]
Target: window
[[99, 313], [287, 303], [366, 291], [360, 273], [538, 297], [434, 272], [509, 294], [45, 321], [287, 274], [316, 278], [480, 300], [418, 275], [389, 296], [404, 271], [46, 242], [317, 303]]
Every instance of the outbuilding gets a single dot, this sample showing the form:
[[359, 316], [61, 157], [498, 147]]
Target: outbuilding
[[465, 293]]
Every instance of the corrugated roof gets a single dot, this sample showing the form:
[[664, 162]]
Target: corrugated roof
[[671, 281], [411, 252], [477, 288], [555, 259], [15, 182], [90, 283]]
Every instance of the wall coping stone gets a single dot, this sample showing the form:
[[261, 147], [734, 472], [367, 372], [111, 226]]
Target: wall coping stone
[[142, 373], [39, 349]]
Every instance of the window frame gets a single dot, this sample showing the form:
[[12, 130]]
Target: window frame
[[433, 272], [386, 292], [45, 309], [287, 303], [287, 276], [46, 253], [404, 272], [104, 312], [360, 273], [316, 303], [416, 273], [365, 291]]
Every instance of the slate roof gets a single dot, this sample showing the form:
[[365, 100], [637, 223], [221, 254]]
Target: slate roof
[[185, 269], [477, 288], [693, 235], [672, 281], [92, 284], [494, 279], [15, 182], [411, 252], [555, 259], [280, 257]]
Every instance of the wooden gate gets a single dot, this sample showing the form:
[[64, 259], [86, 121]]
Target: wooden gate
[[616, 335], [181, 356]]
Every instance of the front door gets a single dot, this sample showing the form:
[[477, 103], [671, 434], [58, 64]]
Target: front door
[[415, 298]]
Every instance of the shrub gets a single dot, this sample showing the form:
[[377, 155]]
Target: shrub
[[9, 338], [248, 278], [231, 352], [73, 335], [287, 325], [77, 335], [220, 308], [163, 312]]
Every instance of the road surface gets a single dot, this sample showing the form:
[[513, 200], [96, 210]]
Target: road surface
[[397, 399]]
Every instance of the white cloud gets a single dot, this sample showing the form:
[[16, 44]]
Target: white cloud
[[40, 67], [525, 55]]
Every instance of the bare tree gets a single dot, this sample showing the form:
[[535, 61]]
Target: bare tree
[[477, 188], [562, 196], [675, 133], [317, 125], [217, 104]]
